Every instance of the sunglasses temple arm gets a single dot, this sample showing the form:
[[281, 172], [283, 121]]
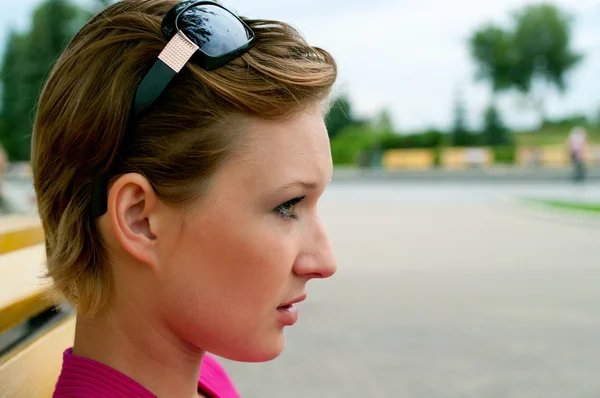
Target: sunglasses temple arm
[[153, 84], [170, 61]]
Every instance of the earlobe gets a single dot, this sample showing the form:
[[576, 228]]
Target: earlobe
[[131, 206]]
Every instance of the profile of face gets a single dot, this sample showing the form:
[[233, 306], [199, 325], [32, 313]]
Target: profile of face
[[218, 273]]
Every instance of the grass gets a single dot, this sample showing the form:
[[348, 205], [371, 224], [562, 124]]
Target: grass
[[568, 205], [552, 135]]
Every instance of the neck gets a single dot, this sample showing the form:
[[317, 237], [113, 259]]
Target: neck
[[142, 349]]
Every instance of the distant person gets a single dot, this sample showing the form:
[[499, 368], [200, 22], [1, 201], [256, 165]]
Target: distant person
[[577, 143]]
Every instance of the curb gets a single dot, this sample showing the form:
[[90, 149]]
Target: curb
[[515, 175]]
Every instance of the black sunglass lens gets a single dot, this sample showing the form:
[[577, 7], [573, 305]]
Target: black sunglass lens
[[215, 30]]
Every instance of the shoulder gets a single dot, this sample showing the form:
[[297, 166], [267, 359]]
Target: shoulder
[[215, 380]]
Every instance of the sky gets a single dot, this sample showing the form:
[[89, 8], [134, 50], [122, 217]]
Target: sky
[[411, 56]]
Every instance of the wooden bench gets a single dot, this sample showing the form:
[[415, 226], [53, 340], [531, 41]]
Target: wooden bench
[[33, 334], [19, 231], [408, 159]]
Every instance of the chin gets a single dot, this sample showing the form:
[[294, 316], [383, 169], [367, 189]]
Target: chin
[[260, 351]]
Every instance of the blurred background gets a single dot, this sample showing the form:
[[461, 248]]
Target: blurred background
[[465, 204]]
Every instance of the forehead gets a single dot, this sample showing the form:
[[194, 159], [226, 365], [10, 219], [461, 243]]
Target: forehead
[[273, 152]]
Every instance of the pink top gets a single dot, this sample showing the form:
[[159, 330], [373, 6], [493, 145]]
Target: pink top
[[85, 378]]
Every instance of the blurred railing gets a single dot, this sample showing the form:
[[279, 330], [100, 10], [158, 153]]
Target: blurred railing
[[555, 156]]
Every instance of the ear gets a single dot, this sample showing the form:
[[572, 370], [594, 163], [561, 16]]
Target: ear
[[132, 206]]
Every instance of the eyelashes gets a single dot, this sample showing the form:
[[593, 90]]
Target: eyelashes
[[286, 210]]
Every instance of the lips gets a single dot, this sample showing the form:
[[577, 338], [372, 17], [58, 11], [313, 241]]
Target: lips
[[290, 303]]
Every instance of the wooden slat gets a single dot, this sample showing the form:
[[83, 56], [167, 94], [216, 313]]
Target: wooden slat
[[408, 159], [17, 232], [32, 371], [23, 293]]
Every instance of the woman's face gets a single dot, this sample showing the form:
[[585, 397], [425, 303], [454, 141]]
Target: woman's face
[[251, 243]]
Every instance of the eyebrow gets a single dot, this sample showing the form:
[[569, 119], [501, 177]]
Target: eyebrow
[[305, 184]]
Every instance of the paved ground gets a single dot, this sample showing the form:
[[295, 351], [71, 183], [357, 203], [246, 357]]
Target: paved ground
[[443, 300], [487, 175], [444, 291]]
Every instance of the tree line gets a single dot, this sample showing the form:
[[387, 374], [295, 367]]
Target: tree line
[[531, 55], [28, 58]]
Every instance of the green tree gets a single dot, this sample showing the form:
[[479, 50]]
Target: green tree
[[383, 122], [532, 55], [14, 112], [542, 38], [352, 142], [27, 62], [494, 131], [495, 57], [460, 135], [339, 116]]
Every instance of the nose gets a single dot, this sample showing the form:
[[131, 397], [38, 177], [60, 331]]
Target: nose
[[317, 259]]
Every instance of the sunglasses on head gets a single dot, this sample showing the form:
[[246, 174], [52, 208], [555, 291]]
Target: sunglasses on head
[[204, 32]]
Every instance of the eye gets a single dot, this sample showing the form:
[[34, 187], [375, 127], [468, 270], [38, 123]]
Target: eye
[[286, 210]]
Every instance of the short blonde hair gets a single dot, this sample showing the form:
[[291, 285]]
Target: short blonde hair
[[83, 112]]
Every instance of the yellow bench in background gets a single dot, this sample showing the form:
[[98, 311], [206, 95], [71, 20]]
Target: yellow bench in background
[[29, 366], [408, 159], [22, 293], [460, 158], [558, 156], [552, 156], [595, 154], [19, 231], [529, 157]]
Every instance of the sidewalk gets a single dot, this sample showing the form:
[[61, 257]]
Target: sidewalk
[[492, 174]]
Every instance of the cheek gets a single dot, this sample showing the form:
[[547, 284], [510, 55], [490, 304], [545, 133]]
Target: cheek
[[230, 275], [247, 256]]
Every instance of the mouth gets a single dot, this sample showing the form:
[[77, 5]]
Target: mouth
[[290, 304], [288, 314]]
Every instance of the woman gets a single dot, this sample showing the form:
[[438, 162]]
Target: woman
[[178, 154]]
